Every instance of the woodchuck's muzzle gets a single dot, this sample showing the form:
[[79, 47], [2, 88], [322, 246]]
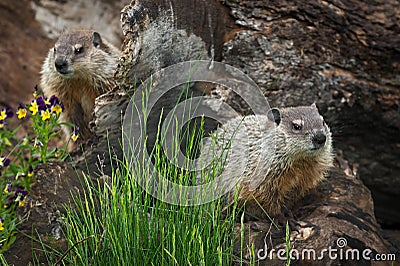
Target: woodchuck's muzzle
[[318, 140], [61, 65]]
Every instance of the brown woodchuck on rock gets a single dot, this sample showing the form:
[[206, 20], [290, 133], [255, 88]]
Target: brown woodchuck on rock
[[79, 68], [271, 160]]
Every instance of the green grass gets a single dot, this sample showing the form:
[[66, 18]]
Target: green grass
[[131, 228], [116, 222]]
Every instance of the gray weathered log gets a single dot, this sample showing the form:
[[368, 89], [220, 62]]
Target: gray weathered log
[[345, 57], [342, 56]]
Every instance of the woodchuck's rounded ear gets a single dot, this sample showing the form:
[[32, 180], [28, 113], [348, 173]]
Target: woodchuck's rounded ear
[[96, 39], [274, 115]]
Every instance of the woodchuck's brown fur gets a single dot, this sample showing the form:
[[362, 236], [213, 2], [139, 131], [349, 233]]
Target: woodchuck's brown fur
[[274, 159], [79, 68]]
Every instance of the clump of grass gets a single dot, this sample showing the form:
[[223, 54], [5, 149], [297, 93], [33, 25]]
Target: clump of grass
[[117, 222], [127, 226]]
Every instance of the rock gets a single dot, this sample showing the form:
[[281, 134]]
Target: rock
[[102, 16], [23, 48], [54, 184]]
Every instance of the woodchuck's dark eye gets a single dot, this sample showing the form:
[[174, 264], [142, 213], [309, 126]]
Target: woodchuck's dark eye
[[296, 127], [54, 49], [78, 50]]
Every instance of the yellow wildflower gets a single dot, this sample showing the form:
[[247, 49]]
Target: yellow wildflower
[[3, 114], [56, 109], [45, 115], [34, 108], [21, 113]]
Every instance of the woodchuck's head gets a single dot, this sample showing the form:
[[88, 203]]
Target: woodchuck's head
[[304, 130], [75, 52]]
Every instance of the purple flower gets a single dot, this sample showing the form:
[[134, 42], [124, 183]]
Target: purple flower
[[21, 193], [20, 175], [21, 106], [30, 171], [37, 143], [7, 189], [21, 197], [9, 112], [56, 105], [21, 111], [4, 162], [6, 113], [54, 100], [75, 134], [62, 106], [41, 104]]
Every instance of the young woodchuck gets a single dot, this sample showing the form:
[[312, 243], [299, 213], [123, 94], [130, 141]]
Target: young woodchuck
[[274, 158], [79, 68]]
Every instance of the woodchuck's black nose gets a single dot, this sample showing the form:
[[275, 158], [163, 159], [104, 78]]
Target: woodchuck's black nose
[[61, 65], [319, 140]]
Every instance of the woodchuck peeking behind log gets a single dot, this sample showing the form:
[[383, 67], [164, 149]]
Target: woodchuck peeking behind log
[[275, 158], [79, 68]]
